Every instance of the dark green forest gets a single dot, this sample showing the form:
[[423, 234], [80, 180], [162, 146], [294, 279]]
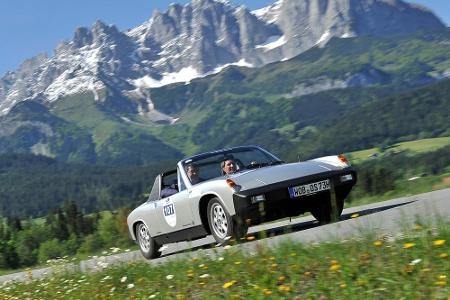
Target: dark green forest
[[31, 186], [419, 114], [65, 231]]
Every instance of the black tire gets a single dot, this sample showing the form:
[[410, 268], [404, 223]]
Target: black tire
[[148, 246], [323, 212], [222, 226]]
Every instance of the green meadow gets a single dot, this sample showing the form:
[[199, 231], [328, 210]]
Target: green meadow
[[412, 147], [413, 265]]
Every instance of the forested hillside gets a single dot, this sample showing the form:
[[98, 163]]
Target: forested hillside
[[31, 186], [414, 115]]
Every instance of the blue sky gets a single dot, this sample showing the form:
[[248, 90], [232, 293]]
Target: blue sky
[[29, 27]]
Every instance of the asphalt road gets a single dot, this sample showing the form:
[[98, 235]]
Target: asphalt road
[[383, 218]]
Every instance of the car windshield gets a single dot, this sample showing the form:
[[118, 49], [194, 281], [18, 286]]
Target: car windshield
[[212, 165]]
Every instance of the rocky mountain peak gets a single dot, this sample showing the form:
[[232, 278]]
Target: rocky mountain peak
[[201, 37]]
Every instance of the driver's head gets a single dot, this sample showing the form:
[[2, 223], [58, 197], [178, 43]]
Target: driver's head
[[192, 171], [229, 166]]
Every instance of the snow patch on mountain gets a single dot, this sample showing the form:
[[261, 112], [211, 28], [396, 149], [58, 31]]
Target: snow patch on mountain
[[269, 13], [241, 63], [64, 85], [184, 75], [324, 38], [272, 43]]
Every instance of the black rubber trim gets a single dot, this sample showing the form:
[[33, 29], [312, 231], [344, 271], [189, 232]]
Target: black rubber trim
[[188, 234]]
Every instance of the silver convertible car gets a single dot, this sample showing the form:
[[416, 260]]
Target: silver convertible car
[[224, 192]]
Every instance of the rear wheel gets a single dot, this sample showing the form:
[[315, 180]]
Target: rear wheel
[[148, 246], [222, 226], [324, 213]]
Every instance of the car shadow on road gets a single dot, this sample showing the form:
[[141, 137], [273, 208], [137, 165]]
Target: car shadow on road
[[295, 227]]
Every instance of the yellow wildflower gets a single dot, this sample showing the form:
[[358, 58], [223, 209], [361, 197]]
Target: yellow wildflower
[[438, 243], [353, 216], [377, 243], [267, 292], [274, 266], [408, 245], [229, 284], [443, 255], [250, 238], [442, 277], [417, 227], [342, 285], [284, 288], [307, 273], [237, 262], [440, 283], [334, 262], [281, 278], [335, 267]]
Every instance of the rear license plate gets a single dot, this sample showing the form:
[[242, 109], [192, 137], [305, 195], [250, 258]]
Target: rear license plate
[[308, 189]]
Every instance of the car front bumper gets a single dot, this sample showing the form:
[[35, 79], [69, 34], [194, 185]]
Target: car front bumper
[[278, 203]]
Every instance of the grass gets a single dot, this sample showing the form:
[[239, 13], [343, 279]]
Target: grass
[[414, 147], [414, 265], [73, 259], [84, 111]]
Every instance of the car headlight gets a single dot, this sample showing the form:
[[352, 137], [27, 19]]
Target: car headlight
[[347, 177], [258, 198]]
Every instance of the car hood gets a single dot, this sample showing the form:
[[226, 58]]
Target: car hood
[[250, 179]]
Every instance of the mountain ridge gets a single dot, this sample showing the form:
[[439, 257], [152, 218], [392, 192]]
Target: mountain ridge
[[196, 39], [104, 84]]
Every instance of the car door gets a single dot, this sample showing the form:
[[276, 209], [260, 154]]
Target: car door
[[174, 212]]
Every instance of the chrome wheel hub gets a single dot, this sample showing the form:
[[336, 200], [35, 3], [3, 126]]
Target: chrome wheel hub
[[144, 238], [219, 220]]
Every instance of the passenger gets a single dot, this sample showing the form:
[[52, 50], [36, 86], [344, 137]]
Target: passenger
[[228, 166], [169, 190], [193, 173]]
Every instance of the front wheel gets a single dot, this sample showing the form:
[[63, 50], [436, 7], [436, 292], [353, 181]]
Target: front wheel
[[148, 246], [222, 226]]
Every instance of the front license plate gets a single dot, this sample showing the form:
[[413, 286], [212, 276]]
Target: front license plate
[[310, 188]]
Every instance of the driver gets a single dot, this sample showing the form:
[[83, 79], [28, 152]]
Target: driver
[[193, 173], [228, 166]]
